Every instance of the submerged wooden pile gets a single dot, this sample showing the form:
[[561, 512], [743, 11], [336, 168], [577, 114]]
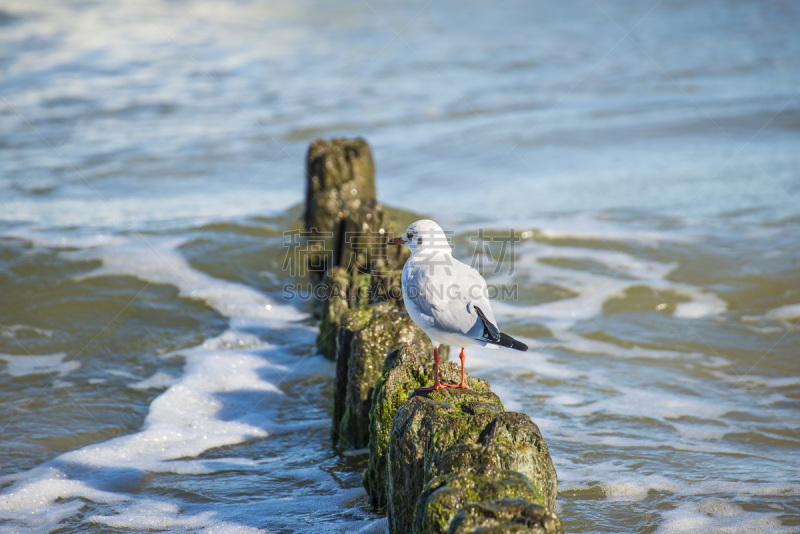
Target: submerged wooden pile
[[451, 460]]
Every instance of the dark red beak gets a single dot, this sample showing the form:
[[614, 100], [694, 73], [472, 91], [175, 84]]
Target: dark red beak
[[397, 241]]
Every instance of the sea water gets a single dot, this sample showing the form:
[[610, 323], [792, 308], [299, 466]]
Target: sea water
[[625, 176]]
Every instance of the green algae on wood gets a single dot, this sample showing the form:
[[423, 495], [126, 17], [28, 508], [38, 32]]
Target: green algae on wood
[[366, 336], [414, 429], [508, 440], [445, 495], [508, 515], [350, 323], [411, 431], [406, 368], [337, 283], [454, 430], [343, 291]]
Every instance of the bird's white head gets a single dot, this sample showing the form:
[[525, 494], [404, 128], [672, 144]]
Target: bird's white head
[[424, 234]]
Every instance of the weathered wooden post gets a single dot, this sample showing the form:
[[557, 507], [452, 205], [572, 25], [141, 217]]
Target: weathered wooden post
[[448, 461]]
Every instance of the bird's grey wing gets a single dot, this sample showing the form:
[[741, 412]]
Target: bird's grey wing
[[417, 296], [477, 290], [484, 324], [418, 306], [447, 300]]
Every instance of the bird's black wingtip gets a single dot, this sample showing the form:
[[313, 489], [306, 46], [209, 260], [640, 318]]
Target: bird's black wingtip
[[510, 342], [490, 331]]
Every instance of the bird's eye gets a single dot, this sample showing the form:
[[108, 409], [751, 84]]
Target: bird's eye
[[410, 235]]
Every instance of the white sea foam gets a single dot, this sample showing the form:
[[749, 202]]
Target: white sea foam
[[150, 514], [750, 381], [583, 225], [14, 331], [566, 400], [763, 330], [620, 483], [703, 307], [636, 488], [229, 393], [157, 260], [701, 432], [158, 380], [785, 313], [37, 364], [719, 516], [653, 403], [592, 346], [774, 321], [478, 358], [176, 208], [594, 290], [44, 496], [186, 420], [279, 513], [740, 489]]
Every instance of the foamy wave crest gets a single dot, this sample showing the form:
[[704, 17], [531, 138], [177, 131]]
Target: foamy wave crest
[[230, 392]]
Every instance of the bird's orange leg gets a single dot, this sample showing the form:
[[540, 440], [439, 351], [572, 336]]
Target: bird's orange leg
[[436, 384], [463, 384]]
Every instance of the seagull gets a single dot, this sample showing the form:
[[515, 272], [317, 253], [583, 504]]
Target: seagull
[[447, 298]]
